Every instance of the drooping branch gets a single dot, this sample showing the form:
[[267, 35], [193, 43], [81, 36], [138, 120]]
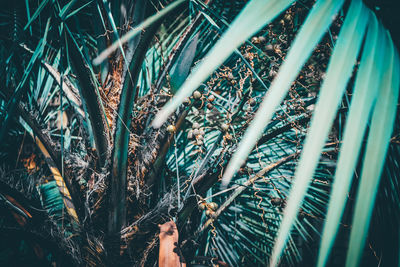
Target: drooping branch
[[89, 91], [68, 188], [118, 183]]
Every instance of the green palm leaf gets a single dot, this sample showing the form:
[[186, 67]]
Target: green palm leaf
[[366, 87], [333, 87], [378, 142]]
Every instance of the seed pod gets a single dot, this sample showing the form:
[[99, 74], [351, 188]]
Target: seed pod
[[196, 95], [196, 132], [211, 98], [225, 127], [210, 106], [171, 128], [208, 212], [195, 125]]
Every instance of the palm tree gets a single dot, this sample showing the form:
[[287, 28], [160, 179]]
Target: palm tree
[[244, 123]]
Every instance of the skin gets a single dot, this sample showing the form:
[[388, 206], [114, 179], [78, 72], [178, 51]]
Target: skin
[[169, 251]]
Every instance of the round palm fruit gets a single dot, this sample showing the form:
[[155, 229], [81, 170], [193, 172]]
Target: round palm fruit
[[213, 206], [195, 125], [190, 134], [196, 95], [196, 132], [210, 106], [199, 142], [210, 213], [269, 48], [276, 201], [225, 126], [171, 128], [255, 40], [211, 98], [201, 132], [228, 137], [202, 206], [262, 39]]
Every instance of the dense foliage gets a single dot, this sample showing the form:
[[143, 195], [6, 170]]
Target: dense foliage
[[85, 177]]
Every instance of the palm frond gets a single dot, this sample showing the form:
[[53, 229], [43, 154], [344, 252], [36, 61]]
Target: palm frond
[[276, 131]]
